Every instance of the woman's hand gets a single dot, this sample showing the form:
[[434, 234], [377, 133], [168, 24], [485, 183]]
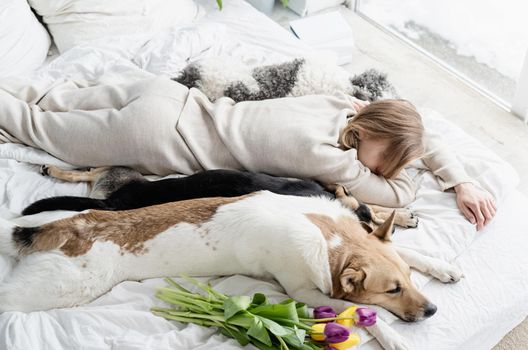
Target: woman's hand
[[477, 205], [359, 104]]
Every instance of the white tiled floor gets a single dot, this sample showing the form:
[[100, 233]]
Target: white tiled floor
[[426, 84]]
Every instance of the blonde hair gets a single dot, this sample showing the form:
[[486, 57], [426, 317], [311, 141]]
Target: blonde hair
[[397, 121]]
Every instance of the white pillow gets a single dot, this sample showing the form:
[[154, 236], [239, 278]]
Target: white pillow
[[24, 42], [73, 22]]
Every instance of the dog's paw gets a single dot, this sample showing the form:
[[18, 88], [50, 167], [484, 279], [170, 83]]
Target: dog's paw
[[388, 338], [394, 342], [406, 218], [447, 273], [400, 344], [44, 170]]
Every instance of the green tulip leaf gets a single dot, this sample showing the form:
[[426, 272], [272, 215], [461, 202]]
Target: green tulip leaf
[[277, 311], [263, 346], [235, 304], [300, 333], [259, 332], [274, 327], [287, 301], [302, 310], [292, 341], [244, 320], [240, 336], [259, 299]]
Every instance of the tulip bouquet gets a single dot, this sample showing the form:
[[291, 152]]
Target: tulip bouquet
[[286, 325]]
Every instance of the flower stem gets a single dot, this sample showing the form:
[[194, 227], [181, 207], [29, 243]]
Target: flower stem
[[220, 318], [282, 343], [186, 319]]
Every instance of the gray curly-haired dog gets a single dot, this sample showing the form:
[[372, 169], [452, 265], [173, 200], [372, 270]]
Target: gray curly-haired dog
[[218, 77]]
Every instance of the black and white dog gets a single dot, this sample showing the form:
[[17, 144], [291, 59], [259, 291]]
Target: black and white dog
[[217, 77], [120, 188]]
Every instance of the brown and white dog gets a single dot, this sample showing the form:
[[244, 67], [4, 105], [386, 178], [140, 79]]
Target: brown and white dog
[[315, 247]]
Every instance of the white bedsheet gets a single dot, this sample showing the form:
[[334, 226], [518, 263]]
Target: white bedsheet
[[474, 314]]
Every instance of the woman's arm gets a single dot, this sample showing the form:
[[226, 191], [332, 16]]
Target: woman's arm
[[477, 205], [374, 189], [443, 163]]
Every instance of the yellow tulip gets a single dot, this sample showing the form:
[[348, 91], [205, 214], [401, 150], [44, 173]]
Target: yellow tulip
[[353, 340], [317, 332], [350, 312]]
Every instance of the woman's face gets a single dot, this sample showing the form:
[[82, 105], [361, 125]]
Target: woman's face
[[372, 153]]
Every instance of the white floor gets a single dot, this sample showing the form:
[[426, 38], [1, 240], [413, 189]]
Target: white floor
[[426, 84]]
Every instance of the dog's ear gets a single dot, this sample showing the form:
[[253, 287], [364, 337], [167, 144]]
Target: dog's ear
[[350, 278], [384, 232]]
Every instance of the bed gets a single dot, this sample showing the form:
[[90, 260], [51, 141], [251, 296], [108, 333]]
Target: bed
[[472, 314]]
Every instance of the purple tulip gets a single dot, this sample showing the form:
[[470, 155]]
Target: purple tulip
[[324, 312], [335, 333], [329, 347], [365, 317]]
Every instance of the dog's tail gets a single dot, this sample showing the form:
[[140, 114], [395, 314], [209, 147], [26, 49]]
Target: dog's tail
[[65, 203], [373, 85], [16, 240], [7, 244]]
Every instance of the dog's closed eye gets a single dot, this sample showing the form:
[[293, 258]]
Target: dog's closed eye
[[394, 291]]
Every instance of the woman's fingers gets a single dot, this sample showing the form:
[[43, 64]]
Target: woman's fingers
[[477, 211], [468, 214], [482, 213], [493, 205], [484, 207]]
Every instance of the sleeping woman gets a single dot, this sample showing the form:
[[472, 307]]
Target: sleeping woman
[[161, 127]]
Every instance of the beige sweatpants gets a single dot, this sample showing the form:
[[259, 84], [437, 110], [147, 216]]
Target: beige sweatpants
[[130, 124]]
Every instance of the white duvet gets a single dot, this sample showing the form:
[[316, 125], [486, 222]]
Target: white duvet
[[474, 314]]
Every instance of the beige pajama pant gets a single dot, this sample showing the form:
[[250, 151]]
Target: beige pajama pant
[[130, 124]]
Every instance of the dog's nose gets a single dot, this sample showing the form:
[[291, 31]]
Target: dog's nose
[[430, 310]]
